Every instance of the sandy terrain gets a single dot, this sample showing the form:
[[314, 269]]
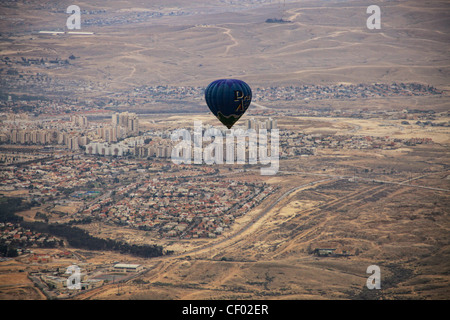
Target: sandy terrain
[[324, 43]]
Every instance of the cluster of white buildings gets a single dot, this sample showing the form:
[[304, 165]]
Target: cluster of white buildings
[[46, 137], [158, 151], [79, 120], [122, 125], [255, 124], [73, 134], [22, 130], [106, 149], [127, 146]]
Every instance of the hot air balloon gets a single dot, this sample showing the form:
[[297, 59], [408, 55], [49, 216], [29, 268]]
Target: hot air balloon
[[228, 99]]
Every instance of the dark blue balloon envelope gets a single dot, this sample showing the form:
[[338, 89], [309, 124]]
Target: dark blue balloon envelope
[[228, 99]]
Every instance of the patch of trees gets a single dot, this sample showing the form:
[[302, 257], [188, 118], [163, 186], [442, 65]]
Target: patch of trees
[[41, 216], [7, 251], [8, 208], [86, 220], [76, 237], [79, 238], [275, 20]]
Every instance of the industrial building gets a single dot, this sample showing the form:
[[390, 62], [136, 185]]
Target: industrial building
[[124, 267]]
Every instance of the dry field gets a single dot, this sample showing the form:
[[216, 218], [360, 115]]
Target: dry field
[[272, 260], [326, 42], [14, 283]]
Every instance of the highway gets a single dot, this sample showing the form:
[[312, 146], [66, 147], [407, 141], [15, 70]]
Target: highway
[[328, 177], [234, 237]]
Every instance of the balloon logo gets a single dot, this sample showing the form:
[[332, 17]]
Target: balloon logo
[[228, 99]]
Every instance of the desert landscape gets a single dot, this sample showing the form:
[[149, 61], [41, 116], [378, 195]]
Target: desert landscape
[[363, 117]]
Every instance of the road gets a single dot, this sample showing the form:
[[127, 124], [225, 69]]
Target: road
[[369, 180], [234, 237], [328, 177]]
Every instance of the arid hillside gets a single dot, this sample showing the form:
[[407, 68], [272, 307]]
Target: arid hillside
[[192, 44]]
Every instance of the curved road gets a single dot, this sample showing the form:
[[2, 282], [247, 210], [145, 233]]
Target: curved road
[[251, 223]]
